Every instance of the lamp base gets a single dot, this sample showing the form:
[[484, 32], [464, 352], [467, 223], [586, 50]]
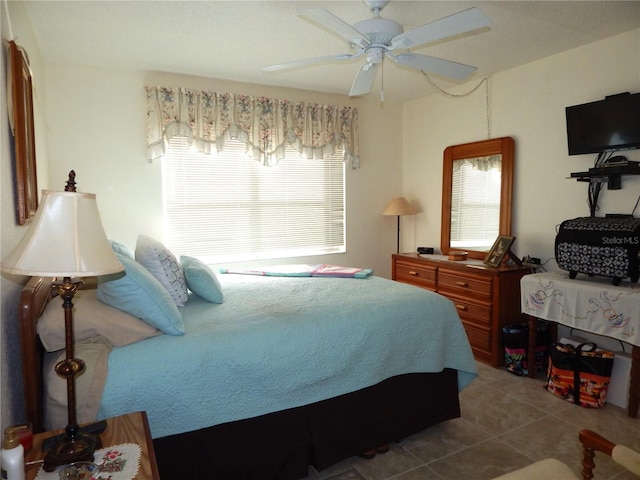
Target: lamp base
[[74, 447]]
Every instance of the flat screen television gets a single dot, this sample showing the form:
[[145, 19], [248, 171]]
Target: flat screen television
[[609, 124]]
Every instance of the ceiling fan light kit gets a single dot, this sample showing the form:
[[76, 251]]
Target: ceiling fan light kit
[[378, 37], [375, 55]]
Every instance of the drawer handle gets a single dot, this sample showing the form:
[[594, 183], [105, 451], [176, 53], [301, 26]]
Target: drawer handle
[[461, 307], [415, 274], [462, 284]]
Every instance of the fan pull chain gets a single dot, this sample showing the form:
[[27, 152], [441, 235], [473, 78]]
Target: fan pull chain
[[485, 80]]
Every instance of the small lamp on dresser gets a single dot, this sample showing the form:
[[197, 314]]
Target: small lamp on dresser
[[65, 240], [399, 206]]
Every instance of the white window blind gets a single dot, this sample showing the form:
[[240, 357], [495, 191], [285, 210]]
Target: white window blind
[[475, 214], [227, 207]]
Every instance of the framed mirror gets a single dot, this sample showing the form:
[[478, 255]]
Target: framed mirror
[[477, 188], [21, 118]]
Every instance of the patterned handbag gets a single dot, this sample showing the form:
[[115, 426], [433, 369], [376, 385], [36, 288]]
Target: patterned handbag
[[579, 375]]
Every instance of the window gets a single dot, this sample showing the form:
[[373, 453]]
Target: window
[[227, 207]]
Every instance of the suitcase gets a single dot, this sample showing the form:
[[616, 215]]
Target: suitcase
[[603, 246]]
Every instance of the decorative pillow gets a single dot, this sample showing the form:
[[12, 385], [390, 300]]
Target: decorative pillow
[[91, 317], [121, 248], [201, 280], [141, 295], [163, 265]]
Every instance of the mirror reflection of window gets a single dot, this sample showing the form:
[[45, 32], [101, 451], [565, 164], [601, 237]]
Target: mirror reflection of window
[[475, 202]]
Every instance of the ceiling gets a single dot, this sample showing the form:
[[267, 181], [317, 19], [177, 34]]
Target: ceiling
[[233, 40]]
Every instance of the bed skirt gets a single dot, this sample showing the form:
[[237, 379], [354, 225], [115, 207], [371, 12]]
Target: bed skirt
[[282, 445]]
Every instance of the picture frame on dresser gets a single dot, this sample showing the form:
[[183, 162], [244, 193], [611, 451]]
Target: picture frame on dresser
[[501, 248]]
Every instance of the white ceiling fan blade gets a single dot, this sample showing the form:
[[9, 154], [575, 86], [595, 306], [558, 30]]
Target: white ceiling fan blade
[[334, 24], [445, 68], [311, 61], [461, 22], [364, 79]]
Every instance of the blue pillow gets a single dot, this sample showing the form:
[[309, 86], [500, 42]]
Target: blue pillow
[[121, 249], [139, 294], [201, 280]]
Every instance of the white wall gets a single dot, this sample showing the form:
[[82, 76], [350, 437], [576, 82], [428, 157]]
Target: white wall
[[98, 128], [527, 103]]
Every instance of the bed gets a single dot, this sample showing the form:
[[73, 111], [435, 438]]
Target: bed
[[285, 373]]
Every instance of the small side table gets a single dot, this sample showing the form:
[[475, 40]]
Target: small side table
[[590, 304], [130, 428]]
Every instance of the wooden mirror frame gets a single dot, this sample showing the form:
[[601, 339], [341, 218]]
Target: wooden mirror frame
[[504, 146], [23, 134]]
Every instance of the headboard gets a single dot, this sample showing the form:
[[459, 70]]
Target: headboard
[[34, 297]]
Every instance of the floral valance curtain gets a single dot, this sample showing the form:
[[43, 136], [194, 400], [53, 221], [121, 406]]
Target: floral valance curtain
[[483, 164], [264, 125]]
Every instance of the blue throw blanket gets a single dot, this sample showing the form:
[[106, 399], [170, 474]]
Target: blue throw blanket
[[280, 342]]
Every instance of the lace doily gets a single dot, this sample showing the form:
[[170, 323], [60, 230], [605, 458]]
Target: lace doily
[[117, 462]]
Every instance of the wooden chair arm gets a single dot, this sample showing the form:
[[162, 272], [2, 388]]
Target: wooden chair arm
[[597, 442], [592, 442]]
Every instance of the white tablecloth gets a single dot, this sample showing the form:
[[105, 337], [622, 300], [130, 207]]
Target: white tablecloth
[[591, 304]]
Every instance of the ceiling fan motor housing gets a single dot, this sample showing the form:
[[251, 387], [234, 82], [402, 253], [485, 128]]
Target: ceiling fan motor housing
[[379, 30]]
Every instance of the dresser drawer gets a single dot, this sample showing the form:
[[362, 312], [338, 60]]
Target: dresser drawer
[[478, 313], [464, 284], [479, 338], [420, 275]]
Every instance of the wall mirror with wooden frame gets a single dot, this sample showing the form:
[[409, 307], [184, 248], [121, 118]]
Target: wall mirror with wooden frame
[[477, 190], [21, 119]]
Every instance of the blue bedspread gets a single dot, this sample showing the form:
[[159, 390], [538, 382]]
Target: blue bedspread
[[281, 342]]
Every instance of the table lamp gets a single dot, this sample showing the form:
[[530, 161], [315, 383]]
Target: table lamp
[[65, 240], [399, 206]]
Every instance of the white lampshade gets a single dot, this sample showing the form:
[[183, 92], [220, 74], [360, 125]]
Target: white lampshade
[[64, 239], [399, 206]]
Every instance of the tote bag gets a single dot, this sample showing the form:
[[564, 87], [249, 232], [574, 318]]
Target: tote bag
[[515, 338], [580, 375]]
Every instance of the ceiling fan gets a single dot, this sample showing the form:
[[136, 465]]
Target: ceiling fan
[[377, 38]]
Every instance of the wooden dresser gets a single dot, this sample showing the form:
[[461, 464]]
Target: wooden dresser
[[486, 297]]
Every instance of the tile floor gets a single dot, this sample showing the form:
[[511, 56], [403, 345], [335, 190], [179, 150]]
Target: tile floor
[[507, 422]]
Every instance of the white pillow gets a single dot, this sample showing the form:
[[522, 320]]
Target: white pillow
[[91, 318], [164, 266]]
